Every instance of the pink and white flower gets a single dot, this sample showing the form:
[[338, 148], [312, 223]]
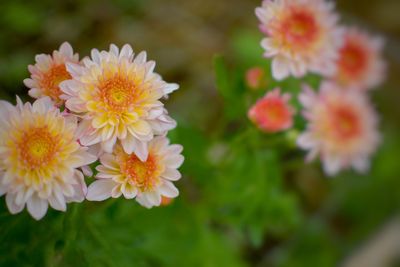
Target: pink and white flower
[[122, 174], [117, 96], [360, 64], [40, 157], [342, 128], [301, 36], [272, 113], [49, 71]]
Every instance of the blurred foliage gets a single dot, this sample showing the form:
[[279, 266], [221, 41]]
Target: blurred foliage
[[247, 198]]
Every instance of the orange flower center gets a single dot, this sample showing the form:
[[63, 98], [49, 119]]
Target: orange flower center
[[275, 112], [37, 147], [346, 124], [299, 28], [52, 78], [144, 175], [118, 93], [352, 61]]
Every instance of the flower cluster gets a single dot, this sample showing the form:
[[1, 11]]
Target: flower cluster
[[304, 36], [103, 112]]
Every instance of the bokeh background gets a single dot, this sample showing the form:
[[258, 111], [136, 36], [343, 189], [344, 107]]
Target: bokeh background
[[239, 205]]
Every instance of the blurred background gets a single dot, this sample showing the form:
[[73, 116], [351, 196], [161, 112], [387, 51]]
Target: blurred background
[[238, 206]]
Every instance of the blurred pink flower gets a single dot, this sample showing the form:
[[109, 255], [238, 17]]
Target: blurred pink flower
[[342, 128], [49, 71], [360, 64], [272, 113], [302, 36]]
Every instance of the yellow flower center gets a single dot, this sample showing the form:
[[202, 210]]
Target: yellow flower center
[[144, 175], [118, 93], [52, 78], [37, 147]]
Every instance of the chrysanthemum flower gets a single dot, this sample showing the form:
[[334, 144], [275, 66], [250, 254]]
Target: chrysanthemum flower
[[39, 157], [360, 64], [272, 113], [302, 36], [342, 128], [125, 174], [117, 97], [49, 71]]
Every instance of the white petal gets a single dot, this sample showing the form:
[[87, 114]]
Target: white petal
[[298, 69], [37, 207], [307, 97], [159, 143], [109, 161], [80, 188], [169, 88], [141, 150], [95, 54], [128, 144], [305, 141], [280, 68], [126, 51], [168, 189], [175, 149], [150, 65], [29, 83], [174, 162], [140, 58], [116, 192], [42, 105], [155, 113], [89, 140], [361, 165], [268, 45], [100, 190], [66, 49], [88, 158], [87, 171], [142, 200], [75, 104], [332, 165], [171, 174], [312, 155], [57, 201], [141, 127], [153, 198], [109, 144], [74, 69], [129, 192], [12, 207], [114, 49], [19, 198]]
